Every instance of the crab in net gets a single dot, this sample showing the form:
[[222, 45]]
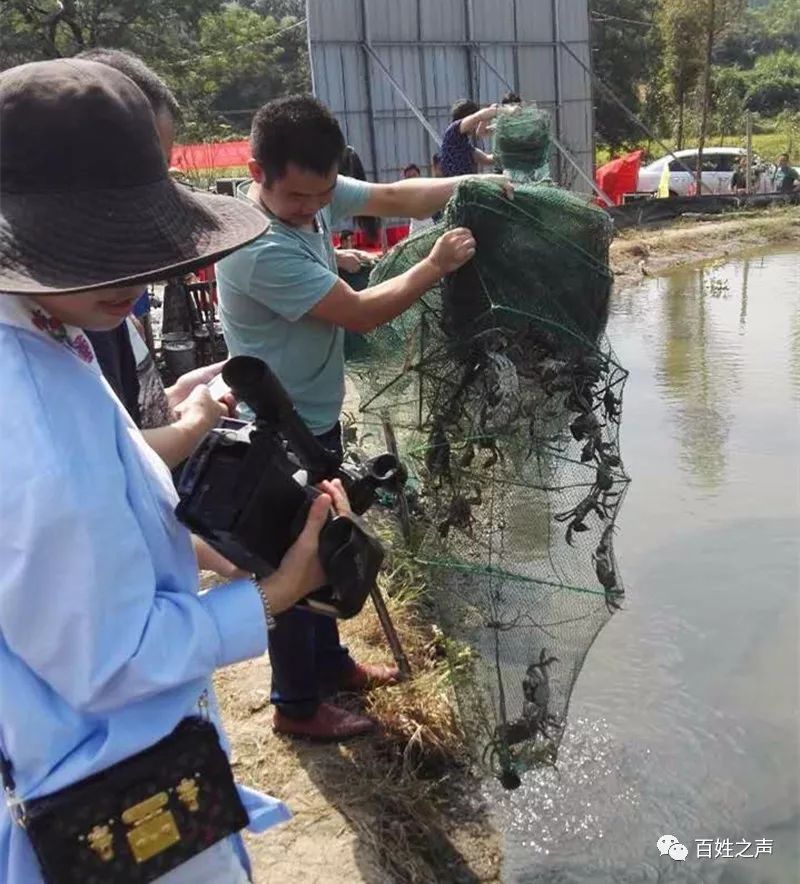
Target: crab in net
[[507, 400]]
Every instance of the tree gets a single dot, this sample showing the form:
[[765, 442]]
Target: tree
[[774, 84], [217, 56], [622, 35], [679, 29], [729, 88], [235, 47], [53, 28], [716, 17]]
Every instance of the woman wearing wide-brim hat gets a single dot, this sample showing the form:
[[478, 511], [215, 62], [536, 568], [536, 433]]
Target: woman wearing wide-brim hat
[[106, 648]]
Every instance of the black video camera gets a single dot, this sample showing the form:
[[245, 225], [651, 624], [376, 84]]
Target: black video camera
[[247, 490]]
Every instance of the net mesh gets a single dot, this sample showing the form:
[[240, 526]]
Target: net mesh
[[505, 397], [521, 143]]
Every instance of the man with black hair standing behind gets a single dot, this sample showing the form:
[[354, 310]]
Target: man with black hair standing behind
[[281, 300]]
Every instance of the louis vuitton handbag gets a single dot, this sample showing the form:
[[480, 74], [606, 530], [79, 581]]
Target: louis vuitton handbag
[[141, 817]]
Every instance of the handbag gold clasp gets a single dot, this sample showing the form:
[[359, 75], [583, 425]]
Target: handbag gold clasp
[[188, 790], [154, 827], [101, 841]]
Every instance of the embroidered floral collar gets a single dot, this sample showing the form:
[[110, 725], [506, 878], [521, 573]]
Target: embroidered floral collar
[[23, 313], [71, 338]]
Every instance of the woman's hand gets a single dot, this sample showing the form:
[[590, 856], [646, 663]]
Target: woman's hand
[[335, 490], [199, 412], [186, 383], [300, 571]]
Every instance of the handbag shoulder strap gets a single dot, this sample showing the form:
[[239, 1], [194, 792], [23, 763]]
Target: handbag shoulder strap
[[6, 775]]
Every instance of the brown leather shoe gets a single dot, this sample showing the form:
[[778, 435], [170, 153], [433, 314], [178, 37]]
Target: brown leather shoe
[[328, 724], [368, 676]]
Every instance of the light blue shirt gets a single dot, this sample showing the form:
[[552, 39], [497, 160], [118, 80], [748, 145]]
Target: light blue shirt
[[266, 291], [105, 644]]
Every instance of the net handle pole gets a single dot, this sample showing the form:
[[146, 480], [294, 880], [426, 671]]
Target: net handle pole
[[403, 666], [559, 146], [391, 444], [393, 639]]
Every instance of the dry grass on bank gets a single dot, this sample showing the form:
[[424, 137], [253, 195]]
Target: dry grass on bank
[[400, 806], [649, 252]]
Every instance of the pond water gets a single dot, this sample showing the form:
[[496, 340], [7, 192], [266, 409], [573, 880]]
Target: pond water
[[685, 720]]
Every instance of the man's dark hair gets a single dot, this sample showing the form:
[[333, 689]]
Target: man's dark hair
[[464, 107], [511, 98], [412, 167], [345, 233], [297, 129], [155, 89]]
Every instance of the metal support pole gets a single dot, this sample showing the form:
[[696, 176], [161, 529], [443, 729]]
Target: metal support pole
[[515, 11], [749, 153], [422, 77], [370, 104], [472, 74], [581, 172], [401, 92], [624, 108], [559, 89]]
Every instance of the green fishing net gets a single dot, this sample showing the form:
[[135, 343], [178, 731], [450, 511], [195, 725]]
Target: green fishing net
[[505, 398], [522, 142]]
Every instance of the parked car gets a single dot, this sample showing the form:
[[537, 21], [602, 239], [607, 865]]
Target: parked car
[[719, 164]]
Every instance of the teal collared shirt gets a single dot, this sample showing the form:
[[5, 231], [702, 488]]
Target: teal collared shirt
[[266, 291]]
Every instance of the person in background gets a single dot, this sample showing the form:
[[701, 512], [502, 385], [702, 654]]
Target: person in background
[[416, 224], [141, 313], [106, 644], [459, 156], [282, 300], [436, 166], [511, 98], [739, 178], [786, 178], [172, 420], [346, 239]]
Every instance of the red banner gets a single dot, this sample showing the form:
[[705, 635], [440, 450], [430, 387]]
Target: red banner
[[220, 155]]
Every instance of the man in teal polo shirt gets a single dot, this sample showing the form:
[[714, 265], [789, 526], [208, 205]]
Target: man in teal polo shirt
[[281, 300]]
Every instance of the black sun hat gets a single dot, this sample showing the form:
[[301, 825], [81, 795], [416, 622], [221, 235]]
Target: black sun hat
[[85, 198]]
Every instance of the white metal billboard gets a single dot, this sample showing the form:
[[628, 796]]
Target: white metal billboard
[[391, 69]]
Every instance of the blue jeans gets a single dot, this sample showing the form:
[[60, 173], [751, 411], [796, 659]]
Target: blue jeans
[[304, 649]]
